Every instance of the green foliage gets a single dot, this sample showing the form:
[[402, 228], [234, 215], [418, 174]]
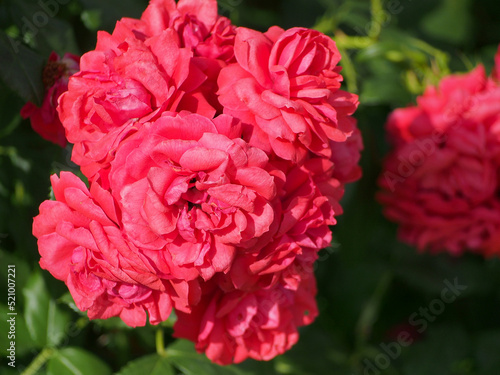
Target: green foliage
[[104, 14], [21, 69], [450, 22], [184, 357], [24, 342], [153, 364], [76, 361], [45, 321]]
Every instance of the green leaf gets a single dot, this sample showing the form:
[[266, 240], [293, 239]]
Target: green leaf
[[183, 356], [113, 323], [57, 36], [91, 19], [68, 300], [148, 365], [45, 321], [111, 11], [21, 69], [76, 361], [16, 160], [384, 86], [22, 272], [9, 107], [450, 22]]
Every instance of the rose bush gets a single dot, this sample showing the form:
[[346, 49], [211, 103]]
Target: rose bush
[[216, 159], [128, 243]]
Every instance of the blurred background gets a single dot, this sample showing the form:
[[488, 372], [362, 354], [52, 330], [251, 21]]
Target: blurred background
[[381, 302]]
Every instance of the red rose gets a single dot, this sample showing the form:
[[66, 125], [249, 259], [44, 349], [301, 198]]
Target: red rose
[[192, 185], [217, 158], [44, 119], [191, 19], [441, 182], [129, 79], [196, 23], [231, 326], [81, 244], [198, 28], [285, 89], [304, 209], [220, 42], [346, 156]]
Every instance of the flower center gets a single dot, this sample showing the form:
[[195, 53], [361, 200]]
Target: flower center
[[52, 72]]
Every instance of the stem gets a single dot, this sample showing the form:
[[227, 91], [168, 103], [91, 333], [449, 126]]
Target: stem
[[39, 361], [348, 71], [378, 15], [160, 343], [352, 42], [370, 313]]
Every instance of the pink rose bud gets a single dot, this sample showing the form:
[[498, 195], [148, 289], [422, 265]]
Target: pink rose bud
[[45, 120]]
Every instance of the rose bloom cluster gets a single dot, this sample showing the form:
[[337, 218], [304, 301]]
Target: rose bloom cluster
[[216, 158], [441, 181]]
